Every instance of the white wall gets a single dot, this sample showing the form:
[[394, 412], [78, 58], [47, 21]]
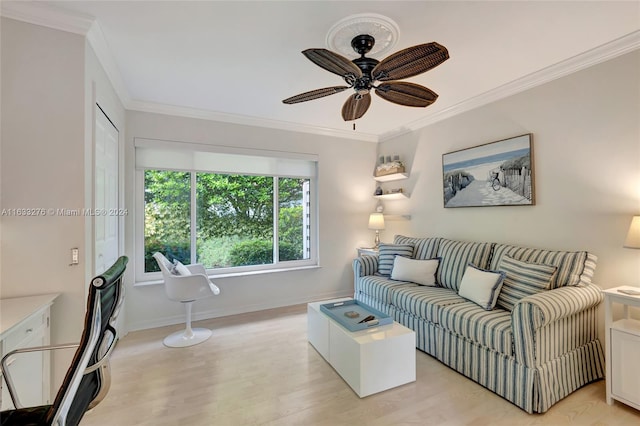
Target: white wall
[[43, 167], [345, 199], [586, 138], [51, 81]]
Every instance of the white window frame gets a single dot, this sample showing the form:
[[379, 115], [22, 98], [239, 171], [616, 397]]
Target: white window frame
[[311, 222]]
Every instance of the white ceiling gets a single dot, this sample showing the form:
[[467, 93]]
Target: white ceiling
[[236, 60]]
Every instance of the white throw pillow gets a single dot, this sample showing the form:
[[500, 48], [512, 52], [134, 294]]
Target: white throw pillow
[[421, 272], [181, 269], [481, 287]]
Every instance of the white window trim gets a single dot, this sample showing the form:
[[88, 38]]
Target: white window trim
[[143, 278]]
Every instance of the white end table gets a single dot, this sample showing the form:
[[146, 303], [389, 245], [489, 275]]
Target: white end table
[[367, 251], [622, 348], [370, 360]]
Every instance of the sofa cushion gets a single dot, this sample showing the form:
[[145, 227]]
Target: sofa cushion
[[456, 255], [424, 302], [423, 248], [380, 287], [421, 272], [481, 287], [387, 254], [574, 267], [491, 329], [522, 279]]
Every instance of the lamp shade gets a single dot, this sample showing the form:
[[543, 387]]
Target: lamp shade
[[376, 221], [633, 236]]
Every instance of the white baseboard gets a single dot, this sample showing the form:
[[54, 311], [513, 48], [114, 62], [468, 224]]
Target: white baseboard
[[229, 310]]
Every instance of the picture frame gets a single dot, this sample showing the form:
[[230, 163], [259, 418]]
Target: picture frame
[[498, 173]]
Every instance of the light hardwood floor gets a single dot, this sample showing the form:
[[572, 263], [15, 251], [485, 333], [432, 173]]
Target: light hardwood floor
[[259, 369]]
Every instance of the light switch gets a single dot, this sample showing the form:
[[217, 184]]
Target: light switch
[[74, 256]]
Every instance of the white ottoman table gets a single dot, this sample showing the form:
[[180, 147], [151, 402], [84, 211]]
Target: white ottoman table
[[370, 360]]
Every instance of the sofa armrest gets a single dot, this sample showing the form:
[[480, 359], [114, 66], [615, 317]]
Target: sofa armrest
[[365, 265], [549, 324]]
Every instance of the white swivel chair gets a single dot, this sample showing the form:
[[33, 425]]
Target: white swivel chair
[[186, 285]]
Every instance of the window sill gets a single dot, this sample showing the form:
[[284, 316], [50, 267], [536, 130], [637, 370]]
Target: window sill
[[233, 274]]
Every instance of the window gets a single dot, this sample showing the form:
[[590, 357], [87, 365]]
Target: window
[[225, 217]]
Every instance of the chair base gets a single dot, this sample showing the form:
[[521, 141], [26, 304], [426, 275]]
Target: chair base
[[183, 339]]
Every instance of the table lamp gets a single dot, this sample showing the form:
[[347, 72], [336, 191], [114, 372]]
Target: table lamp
[[376, 221], [633, 236]]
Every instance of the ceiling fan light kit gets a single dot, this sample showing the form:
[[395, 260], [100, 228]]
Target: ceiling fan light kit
[[361, 74]]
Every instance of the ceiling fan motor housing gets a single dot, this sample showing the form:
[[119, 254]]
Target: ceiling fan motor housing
[[363, 43]]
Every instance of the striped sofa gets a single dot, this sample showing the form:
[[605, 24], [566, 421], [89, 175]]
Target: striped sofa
[[534, 354]]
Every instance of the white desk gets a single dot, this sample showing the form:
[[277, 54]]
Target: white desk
[[622, 349], [24, 322]]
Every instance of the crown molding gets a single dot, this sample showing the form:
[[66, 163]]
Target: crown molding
[[52, 17], [97, 41], [244, 120], [605, 52], [47, 16]]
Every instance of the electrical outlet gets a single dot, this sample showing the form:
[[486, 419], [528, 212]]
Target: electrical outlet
[[74, 256]]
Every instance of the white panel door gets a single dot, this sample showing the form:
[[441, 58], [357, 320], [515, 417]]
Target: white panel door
[[105, 193]]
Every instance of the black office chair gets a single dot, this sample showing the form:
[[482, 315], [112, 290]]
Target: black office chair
[[88, 378]]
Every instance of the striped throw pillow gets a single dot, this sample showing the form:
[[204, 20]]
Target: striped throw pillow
[[387, 254], [522, 279]]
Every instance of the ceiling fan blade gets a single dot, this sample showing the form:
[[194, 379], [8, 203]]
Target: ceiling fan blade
[[410, 61], [408, 94], [332, 62], [314, 94], [356, 106]]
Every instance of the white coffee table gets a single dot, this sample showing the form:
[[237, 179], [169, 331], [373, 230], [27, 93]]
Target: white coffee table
[[371, 360]]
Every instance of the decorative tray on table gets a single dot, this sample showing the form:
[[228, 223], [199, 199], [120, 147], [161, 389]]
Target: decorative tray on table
[[354, 315]]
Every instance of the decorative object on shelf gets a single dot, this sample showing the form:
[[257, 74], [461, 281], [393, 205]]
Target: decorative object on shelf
[[379, 207], [390, 167], [494, 174], [633, 236], [376, 222], [378, 190]]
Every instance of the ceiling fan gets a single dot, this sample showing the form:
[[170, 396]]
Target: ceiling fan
[[361, 74]]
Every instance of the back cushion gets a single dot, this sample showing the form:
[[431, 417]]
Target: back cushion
[[574, 267], [455, 256], [423, 248]]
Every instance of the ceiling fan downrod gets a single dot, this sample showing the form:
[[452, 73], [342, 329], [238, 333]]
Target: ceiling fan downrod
[[362, 44]]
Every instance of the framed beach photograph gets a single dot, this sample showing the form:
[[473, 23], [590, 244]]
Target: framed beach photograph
[[494, 174]]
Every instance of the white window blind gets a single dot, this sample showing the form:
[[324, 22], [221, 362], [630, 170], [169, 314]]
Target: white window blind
[[169, 155]]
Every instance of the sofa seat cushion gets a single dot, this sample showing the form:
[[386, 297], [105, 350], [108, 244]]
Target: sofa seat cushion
[[380, 288], [424, 302], [491, 329]]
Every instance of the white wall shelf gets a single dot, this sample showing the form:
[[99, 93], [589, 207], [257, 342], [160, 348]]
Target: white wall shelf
[[393, 176], [393, 196], [397, 217]]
